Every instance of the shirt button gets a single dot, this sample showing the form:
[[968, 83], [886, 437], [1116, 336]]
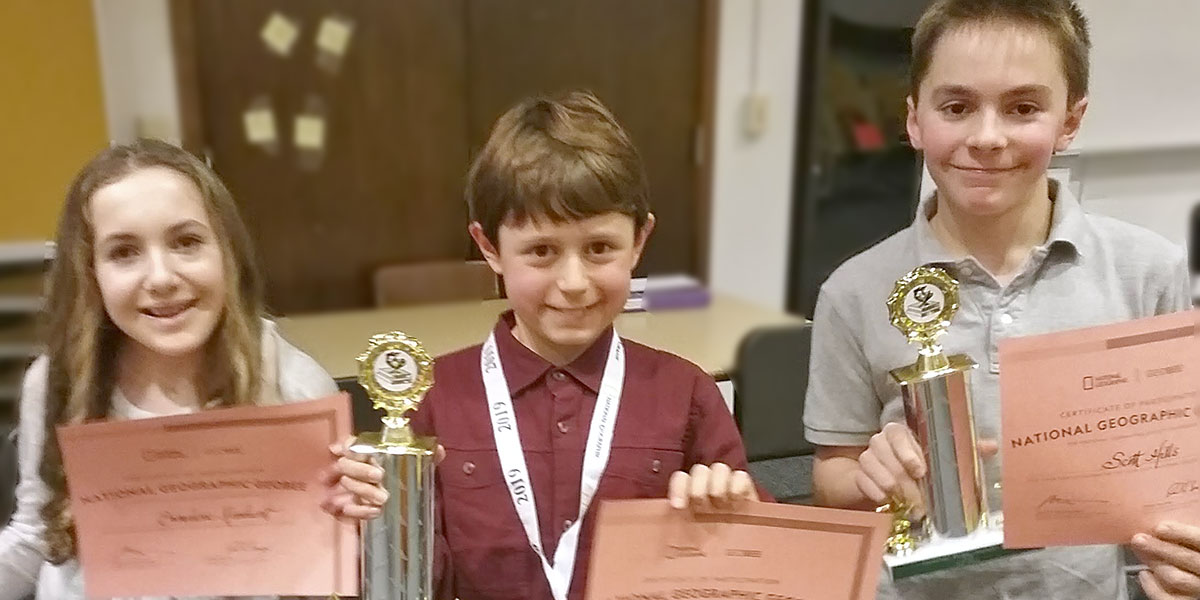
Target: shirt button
[[1006, 319], [563, 427], [558, 375], [566, 524], [468, 467], [656, 466]]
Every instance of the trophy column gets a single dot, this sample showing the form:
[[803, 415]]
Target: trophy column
[[397, 547]]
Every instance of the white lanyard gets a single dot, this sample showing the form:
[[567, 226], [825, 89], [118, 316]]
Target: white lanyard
[[516, 473]]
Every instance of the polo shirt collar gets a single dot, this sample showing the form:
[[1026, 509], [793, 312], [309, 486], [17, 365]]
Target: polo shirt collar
[[524, 367], [1068, 227]]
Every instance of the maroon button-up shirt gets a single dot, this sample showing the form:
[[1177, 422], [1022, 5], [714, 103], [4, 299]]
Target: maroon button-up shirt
[[671, 417]]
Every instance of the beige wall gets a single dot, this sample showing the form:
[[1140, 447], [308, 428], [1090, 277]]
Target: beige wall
[[51, 106]]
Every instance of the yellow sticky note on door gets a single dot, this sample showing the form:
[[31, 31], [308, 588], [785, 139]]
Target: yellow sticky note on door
[[260, 125], [334, 35], [280, 33], [310, 132]]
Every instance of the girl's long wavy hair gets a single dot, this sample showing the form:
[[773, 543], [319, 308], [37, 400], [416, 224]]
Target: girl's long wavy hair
[[81, 340]]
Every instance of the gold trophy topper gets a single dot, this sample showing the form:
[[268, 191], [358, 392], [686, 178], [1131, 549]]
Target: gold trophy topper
[[922, 305], [396, 372]]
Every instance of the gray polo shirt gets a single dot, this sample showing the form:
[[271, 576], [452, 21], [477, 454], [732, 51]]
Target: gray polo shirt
[[1092, 270]]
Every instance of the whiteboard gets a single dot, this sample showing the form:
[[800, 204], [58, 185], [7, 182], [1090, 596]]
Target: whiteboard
[[1145, 79]]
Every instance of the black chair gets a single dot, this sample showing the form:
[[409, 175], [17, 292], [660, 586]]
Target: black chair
[[770, 380], [365, 417], [9, 475], [8, 471], [1193, 244]]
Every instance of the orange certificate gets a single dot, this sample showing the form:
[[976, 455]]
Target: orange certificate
[[646, 550], [1101, 431], [221, 502]]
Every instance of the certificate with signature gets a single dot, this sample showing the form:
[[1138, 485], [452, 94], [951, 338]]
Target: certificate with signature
[[646, 550], [222, 502], [1101, 431]]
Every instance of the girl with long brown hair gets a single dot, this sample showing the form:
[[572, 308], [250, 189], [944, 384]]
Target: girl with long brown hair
[[154, 307]]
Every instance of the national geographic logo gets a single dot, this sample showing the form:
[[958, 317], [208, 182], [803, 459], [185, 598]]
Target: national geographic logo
[[1091, 382]]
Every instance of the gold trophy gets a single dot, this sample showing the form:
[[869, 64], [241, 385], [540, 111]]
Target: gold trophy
[[397, 547], [937, 407]]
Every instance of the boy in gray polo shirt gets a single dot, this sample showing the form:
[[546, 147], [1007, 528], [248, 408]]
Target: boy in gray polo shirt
[[998, 86]]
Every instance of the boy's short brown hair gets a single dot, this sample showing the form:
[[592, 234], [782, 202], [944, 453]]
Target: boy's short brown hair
[[1060, 19], [561, 157]]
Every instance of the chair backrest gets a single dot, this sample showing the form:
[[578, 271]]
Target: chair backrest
[[8, 472], [364, 417], [769, 382], [436, 281]]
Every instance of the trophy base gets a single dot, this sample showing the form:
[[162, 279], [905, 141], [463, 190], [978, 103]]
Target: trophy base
[[949, 553]]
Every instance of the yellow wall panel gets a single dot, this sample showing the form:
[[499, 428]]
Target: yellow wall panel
[[51, 109]]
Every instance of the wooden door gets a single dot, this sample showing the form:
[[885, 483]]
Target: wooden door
[[388, 187], [418, 89]]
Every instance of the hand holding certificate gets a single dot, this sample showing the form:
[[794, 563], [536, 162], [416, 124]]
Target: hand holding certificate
[[646, 550], [1101, 431], [222, 502]]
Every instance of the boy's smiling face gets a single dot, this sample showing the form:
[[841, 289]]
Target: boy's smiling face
[[992, 110], [566, 282]]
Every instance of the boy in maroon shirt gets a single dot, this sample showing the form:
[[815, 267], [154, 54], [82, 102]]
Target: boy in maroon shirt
[[559, 208]]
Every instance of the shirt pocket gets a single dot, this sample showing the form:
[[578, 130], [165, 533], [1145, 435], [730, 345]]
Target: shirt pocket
[[490, 554], [475, 502], [635, 471]]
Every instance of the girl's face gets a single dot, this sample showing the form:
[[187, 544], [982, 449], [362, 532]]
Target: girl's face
[[157, 261], [992, 111]]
